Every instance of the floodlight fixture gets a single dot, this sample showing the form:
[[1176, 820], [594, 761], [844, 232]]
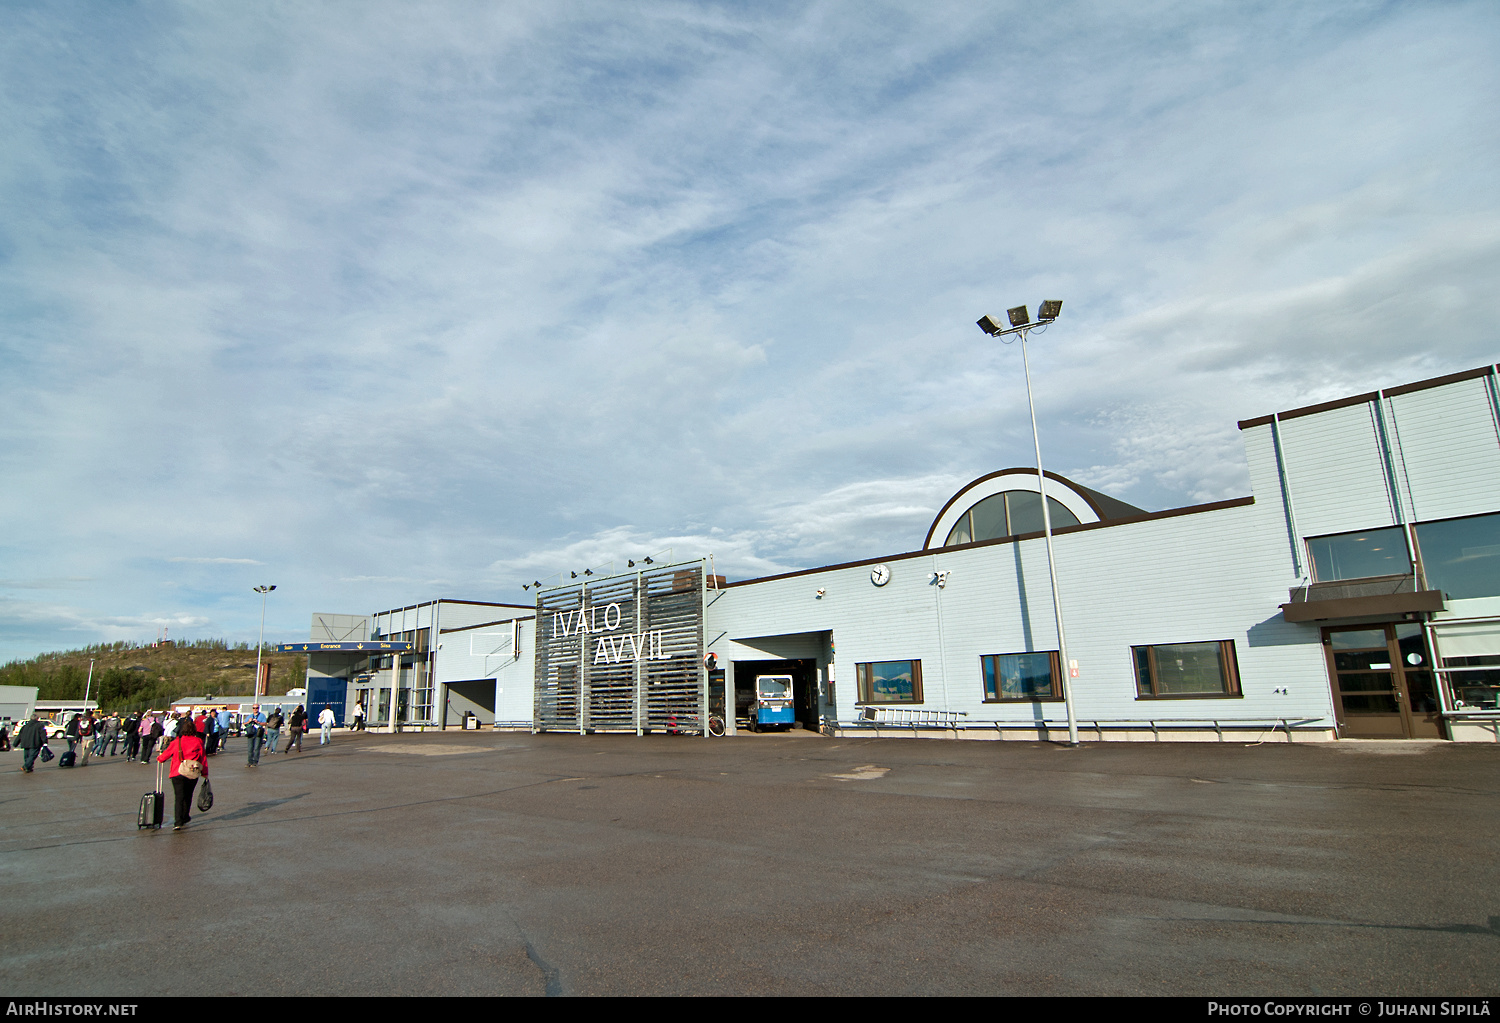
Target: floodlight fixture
[[537, 584], [649, 561], [575, 575], [260, 645], [1020, 323], [630, 563], [989, 326], [588, 571]]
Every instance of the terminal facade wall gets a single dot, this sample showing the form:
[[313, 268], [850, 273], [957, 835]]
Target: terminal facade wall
[[1207, 575]]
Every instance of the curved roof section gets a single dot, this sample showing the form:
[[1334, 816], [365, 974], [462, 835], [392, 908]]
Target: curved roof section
[[1087, 505]]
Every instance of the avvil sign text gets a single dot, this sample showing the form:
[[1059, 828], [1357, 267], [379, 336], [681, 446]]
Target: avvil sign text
[[633, 646]]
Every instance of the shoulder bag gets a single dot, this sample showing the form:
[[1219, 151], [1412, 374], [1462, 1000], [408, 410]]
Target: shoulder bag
[[190, 768]]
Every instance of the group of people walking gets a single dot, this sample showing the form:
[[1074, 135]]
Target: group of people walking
[[137, 734]]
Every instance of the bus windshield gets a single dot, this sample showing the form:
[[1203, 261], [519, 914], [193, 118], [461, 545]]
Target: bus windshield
[[773, 687]]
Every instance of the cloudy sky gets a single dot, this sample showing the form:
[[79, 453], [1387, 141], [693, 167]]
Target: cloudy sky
[[381, 302]]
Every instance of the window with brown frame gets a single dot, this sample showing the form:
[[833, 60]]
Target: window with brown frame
[[1171, 671], [1033, 676], [890, 681]]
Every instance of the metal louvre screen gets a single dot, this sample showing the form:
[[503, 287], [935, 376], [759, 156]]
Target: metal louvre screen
[[624, 653]]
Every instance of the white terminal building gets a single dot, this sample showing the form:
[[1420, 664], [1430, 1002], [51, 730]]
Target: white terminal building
[[1354, 594]]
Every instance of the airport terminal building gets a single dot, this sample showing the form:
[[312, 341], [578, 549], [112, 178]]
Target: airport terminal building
[[1354, 594]]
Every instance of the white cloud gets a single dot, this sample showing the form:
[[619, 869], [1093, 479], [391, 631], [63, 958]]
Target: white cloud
[[419, 301]]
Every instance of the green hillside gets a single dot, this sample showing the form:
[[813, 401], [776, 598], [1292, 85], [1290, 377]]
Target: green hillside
[[132, 677]]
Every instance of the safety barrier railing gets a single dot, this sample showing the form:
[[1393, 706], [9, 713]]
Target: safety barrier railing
[[917, 719]]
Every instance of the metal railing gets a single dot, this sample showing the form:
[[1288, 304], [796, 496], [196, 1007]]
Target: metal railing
[[875, 719]]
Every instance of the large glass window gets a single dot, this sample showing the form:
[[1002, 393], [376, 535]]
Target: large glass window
[[1462, 556], [1007, 514], [1359, 555], [890, 682], [1021, 677], [1186, 669]]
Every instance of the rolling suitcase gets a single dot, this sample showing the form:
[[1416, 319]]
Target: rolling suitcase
[[151, 805]]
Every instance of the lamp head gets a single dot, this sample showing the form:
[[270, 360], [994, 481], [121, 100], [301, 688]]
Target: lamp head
[[1049, 309], [1018, 316], [989, 326]]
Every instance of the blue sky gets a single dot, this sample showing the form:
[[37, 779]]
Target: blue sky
[[382, 302]]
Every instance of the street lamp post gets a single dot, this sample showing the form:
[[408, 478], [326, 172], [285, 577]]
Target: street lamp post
[[1020, 323], [260, 647]]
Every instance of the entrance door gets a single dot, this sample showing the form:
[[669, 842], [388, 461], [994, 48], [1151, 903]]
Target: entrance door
[[1383, 684]]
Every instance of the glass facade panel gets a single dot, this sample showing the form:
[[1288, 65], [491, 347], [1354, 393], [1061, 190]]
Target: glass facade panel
[[1186, 669], [1019, 677], [988, 518], [1357, 639], [1479, 685], [1359, 555], [1362, 660], [1370, 704], [890, 682], [959, 533], [1366, 681], [1189, 668], [1007, 514], [1462, 556], [1024, 509]]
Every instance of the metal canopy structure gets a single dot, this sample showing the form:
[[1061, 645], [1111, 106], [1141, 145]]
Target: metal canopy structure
[[623, 653]]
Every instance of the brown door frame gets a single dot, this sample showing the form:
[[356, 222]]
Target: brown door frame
[[1399, 688]]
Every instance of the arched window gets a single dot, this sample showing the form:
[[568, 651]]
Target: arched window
[[1007, 514]]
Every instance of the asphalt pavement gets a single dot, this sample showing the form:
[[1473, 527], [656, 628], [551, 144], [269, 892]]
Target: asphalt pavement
[[506, 863]]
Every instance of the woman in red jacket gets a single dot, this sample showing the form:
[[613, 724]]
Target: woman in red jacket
[[186, 746]]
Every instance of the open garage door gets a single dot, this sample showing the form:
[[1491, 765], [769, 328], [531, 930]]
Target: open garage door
[[804, 672]]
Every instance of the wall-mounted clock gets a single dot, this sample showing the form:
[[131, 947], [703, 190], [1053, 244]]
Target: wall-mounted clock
[[880, 575]]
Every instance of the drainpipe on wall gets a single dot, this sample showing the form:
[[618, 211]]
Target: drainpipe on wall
[[1288, 511]]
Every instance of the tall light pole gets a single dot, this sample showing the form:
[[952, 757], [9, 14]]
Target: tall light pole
[[1020, 323], [264, 591]]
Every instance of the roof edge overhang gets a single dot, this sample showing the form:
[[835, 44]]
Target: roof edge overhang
[[1369, 396], [1170, 513], [1363, 607], [363, 646]]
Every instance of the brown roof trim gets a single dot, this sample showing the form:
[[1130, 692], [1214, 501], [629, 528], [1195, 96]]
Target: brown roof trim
[[449, 600], [485, 625], [1369, 396], [1451, 378], [1196, 509], [484, 603], [1081, 491]]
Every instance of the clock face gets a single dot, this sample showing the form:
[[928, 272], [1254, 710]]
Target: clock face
[[880, 575]]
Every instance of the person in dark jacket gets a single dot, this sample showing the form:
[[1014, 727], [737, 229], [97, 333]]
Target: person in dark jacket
[[153, 733], [31, 738], [132, 731], [297, 726], [186, 746]]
